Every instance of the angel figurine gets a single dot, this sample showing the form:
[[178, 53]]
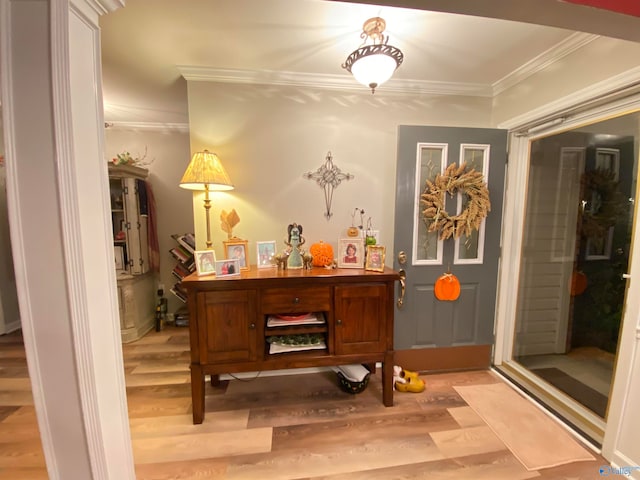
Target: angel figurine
[[294, 241]]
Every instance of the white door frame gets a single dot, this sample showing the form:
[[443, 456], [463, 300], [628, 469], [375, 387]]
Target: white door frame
[[621, 416], [58, 197]]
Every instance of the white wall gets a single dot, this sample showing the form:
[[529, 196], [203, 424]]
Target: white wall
[[267, 137], [595, 62], [168, 154]]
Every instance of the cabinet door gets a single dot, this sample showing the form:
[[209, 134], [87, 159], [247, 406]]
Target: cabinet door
[[360, 319], [135, 231], [227, 325]]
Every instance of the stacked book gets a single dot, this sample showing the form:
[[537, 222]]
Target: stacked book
[[179, 291], [295, 319], [180, 271], [181, 317]]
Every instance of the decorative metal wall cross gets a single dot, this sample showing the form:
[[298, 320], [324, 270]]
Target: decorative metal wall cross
[[328, 176]]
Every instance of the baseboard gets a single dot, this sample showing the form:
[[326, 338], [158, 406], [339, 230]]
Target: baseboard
[[11, 327], [445, 359]]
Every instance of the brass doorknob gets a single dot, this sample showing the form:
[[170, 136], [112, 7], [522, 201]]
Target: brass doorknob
[[402, 258], [403, 288]]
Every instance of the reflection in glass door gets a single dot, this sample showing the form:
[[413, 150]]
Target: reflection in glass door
[[575, 252]]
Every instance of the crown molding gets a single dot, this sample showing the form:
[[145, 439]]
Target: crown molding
[[347, 83], [101, 7], [399, 86], [542, 61], [149, 126], [336, 82]]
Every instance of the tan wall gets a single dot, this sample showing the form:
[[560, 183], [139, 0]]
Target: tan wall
[[268, 137], [168, 152], [9, 311]]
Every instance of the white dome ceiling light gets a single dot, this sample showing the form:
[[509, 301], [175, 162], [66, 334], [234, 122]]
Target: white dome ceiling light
[[373, 63]]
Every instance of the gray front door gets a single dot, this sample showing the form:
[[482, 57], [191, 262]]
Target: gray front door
[[423, 320]]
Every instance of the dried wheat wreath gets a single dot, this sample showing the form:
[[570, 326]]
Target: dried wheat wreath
[[455, 179]]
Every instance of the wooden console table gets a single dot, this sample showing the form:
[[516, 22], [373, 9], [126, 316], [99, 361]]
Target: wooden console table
[[229, 332]]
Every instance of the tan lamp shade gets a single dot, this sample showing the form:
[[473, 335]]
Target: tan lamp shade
[[205, 169]]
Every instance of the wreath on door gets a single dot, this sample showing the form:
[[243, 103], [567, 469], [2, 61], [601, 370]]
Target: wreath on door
[[604, 203], [455, 179]]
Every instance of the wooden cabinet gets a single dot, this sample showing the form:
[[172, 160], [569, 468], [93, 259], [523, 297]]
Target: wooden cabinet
[[129, 219], [360, 312], [129, 215], [233, 323], [228, 326]]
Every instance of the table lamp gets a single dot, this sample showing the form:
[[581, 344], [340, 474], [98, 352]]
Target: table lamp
[[205, 172]]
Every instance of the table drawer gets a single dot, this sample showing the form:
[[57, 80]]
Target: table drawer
[[291, 300]]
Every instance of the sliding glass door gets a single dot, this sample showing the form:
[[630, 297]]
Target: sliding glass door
[[578, 220]]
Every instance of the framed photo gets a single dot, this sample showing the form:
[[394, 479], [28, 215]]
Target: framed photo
[[265, 252], [205, 262], [227, 268], [351, 252], [375, 258], [236, 249]]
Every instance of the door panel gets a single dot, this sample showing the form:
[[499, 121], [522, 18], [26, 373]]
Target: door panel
[[360, 318], [229, 324], [424, 321]]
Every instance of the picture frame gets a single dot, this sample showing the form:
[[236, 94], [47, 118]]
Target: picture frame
[[265, 251], [228, 268], [205, 262], [236, 249], [351, 252], [375, 258]]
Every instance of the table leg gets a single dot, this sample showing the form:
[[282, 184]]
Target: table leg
[[197, 394], [387, 379]]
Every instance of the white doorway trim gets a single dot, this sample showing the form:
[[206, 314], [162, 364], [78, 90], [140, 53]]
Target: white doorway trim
[[610, 98]]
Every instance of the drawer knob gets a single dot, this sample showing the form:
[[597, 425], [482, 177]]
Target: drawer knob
[[339, 322], [296, 300], [252, 326]]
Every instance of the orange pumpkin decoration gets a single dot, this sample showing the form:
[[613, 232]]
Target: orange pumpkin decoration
[[447, 287], [578, 283], [322, 254]]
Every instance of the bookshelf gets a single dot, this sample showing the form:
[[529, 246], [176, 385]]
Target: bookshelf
[[182, 252]]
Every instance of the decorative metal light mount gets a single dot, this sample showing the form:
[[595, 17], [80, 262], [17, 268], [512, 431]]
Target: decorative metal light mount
[[373, 63]]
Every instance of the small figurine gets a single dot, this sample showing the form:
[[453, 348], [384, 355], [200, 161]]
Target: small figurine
[[281, 260], [228, 221], [354, 231], [294, 241], [307, 260]]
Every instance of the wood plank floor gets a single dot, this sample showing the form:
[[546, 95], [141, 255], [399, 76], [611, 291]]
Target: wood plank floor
[[292, 427]]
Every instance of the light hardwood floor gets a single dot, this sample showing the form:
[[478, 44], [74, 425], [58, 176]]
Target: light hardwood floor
[[299, 427]]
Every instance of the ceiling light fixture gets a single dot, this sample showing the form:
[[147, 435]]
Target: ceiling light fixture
[[374, 63]]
